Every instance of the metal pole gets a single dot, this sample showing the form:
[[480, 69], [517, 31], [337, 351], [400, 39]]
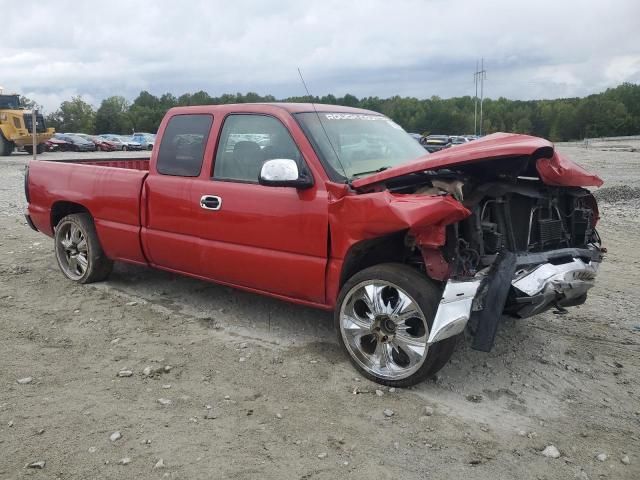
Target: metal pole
[[482, 77], [475, 103], [34, 116]]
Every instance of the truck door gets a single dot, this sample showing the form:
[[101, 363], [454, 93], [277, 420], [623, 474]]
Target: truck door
[[170, 220], [272, 239]]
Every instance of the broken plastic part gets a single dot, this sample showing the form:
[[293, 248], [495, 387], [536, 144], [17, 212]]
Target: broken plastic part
[[454, 309]]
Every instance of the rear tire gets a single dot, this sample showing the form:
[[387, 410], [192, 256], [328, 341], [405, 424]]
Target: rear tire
[[78, 250], [41, 148], [6, 147], [383, 318]]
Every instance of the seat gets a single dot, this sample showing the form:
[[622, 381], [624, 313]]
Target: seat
[[245, 163]]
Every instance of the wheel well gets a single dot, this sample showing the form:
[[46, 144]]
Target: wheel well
[[364, 254], [59, 210]]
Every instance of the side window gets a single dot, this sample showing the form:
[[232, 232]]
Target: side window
[[183, 144], [247, 141]]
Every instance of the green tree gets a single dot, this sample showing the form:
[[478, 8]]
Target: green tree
[[113, 116], [74, 115], [613, 112]]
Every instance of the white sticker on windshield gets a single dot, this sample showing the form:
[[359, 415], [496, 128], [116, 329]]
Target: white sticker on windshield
[[352, 116]]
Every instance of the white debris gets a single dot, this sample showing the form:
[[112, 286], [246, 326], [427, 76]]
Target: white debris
[[92, 449], [164, 401], [388, 412], [551, 451], [602, 457], [115, 436], [131, 304], [279, 415], [147, 371], [428, 411], [39, 464], [125, 373], [322, 455], [125, 461], [159, 464], [379, 393], [625, 459], [25, 380]]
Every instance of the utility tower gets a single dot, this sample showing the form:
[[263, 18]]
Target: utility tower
[[478, 77]]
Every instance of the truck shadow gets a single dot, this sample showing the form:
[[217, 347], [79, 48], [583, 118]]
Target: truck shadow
[[222, 307]]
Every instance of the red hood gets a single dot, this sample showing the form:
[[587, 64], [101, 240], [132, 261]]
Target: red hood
[[553, 168]]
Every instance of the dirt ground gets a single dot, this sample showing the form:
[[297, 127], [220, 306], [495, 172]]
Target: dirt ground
[[245, 387]]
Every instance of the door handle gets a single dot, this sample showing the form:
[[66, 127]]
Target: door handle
[[210, 202]]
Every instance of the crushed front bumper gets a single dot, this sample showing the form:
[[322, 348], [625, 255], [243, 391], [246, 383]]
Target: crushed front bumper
[[520, 285]]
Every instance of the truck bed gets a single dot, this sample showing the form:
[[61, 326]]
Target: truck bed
[[134, 163], [108, 189]]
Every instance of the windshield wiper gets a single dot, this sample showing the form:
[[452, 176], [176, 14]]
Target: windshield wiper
[[381, 169]]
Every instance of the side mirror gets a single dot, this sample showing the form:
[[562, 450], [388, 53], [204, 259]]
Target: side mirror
[[283, 172]]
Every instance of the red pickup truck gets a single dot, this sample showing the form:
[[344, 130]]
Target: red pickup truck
[[337, 208]]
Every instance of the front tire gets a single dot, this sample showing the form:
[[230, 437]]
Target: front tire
[[383, 318], [78, 250]]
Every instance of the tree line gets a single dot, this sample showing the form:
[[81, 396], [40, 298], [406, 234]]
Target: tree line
[[614, 112]]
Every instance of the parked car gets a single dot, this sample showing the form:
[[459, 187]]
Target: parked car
[[420, 139], [458, 140], [107, 145], [114, 140], [130, 143], [56, 144], [99, 142], [146, 140], [122, 142], [73, 143], [435, 143], [408, 250]]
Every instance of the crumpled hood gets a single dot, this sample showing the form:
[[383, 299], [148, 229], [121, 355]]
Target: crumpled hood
[[553, 168]]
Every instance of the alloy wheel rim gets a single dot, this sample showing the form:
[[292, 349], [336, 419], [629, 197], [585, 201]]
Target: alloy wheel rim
[[384, 329], [73, 251]]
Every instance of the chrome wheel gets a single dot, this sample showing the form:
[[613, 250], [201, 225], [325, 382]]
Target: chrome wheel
[[73, 251], [384, 329]]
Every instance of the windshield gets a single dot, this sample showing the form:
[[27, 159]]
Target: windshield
[[10, 102], [358, 144]]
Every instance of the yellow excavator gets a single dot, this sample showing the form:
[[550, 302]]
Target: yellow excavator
[[16, 127]]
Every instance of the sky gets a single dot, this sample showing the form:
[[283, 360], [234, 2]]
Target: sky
[[51, 51]]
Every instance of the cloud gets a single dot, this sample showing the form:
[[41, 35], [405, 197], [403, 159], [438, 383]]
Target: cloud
[[375, 47]]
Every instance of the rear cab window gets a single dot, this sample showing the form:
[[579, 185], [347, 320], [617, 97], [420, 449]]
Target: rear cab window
[[183, 143]]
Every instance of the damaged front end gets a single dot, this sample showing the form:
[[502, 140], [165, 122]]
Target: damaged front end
[[527, 241]]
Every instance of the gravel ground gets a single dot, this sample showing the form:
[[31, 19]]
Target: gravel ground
[[150, 375]]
